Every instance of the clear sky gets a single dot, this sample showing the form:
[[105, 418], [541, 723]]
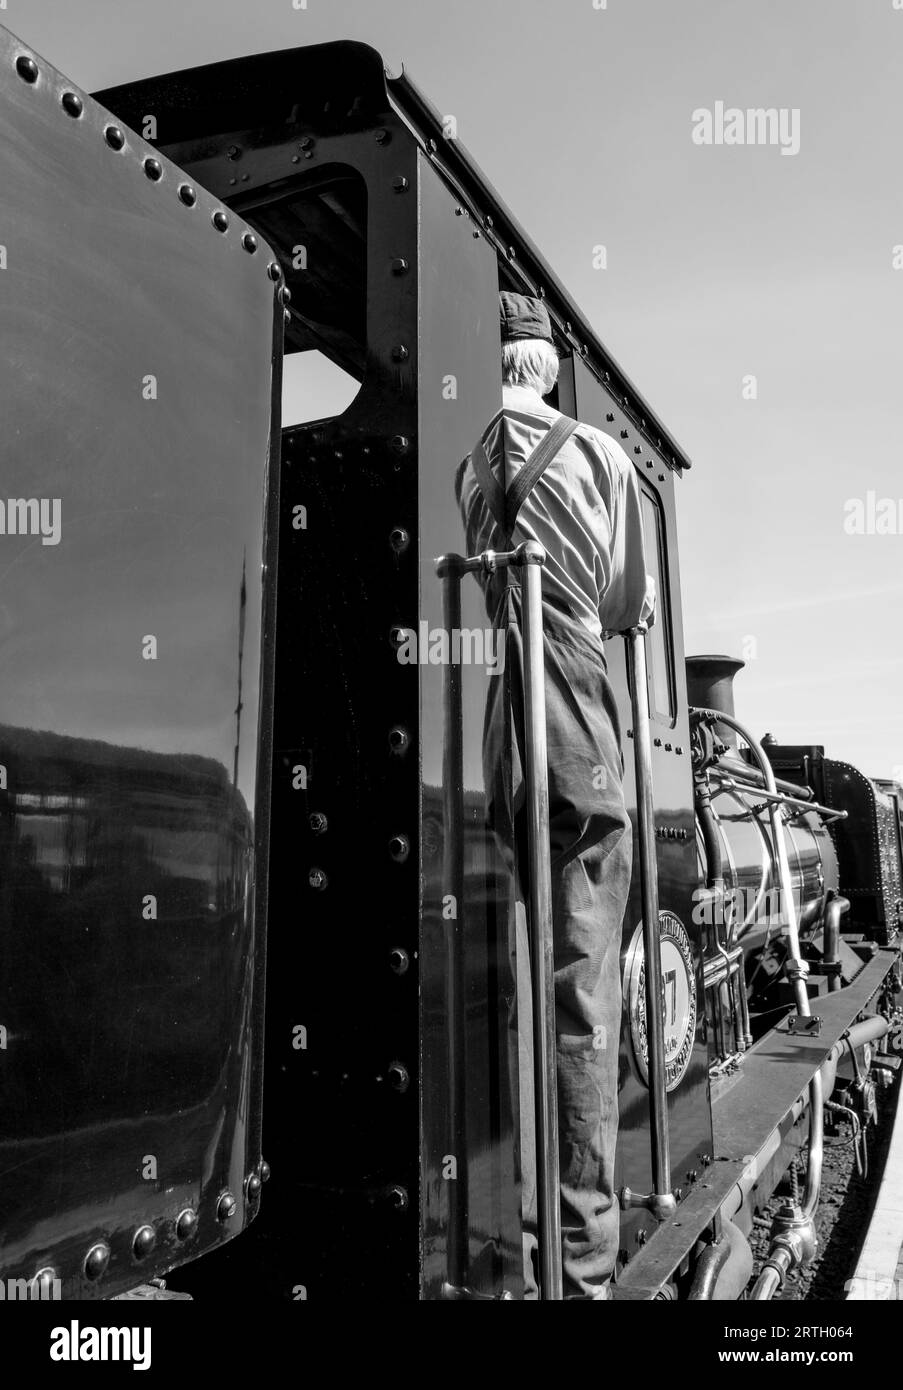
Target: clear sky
[[724, 262]]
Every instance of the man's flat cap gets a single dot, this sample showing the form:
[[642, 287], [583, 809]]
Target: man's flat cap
[[523, 317]]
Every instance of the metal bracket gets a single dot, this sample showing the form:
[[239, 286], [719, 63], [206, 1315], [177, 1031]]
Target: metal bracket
[[796, 1023]]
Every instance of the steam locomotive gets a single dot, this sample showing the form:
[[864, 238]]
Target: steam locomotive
[[216, 769]]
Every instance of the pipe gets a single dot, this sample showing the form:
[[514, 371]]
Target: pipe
[[661, 1200], [866, 1030], [531, 557], [723, 1276], [833, 913], [709, 1265], [795, 966]]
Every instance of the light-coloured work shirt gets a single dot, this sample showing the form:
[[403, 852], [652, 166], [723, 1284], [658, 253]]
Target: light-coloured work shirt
[[585, 510]]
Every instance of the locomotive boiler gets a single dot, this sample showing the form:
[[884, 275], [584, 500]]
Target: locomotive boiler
[[236, 736]]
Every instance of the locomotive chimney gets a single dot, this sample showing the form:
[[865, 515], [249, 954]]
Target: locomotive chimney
[[710, 685]]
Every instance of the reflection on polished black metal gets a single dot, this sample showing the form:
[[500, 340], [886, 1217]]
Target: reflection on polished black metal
[[137, 391], [530, 557]]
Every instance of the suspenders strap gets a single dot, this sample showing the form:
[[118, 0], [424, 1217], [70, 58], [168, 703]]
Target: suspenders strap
[[530, 474], [503, 505]]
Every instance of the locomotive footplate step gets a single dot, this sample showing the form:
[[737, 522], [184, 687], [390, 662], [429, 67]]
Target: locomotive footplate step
[[748, 1105]]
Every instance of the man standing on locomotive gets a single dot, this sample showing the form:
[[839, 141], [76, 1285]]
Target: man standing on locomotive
[[537, 475]]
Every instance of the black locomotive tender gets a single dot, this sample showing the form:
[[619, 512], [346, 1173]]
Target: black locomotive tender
[[201, 737]]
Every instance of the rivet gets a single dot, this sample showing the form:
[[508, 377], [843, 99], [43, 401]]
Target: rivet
[[153, 168], [306, 142], [233, 152], [96, 1260], [399, 1077], [249, 241], [42, 1284], [398, 636], [661, 477], [399, 960], [296, 159], [27, 69], [398, 1197], [72, 104], [624, 434], [584, 350], [511, 253], [692, 1175], [144, 1240], [245, 178], [381, 137], [399, 739], [609, 417], [649, 463], [398, 265], [308, 154], [318, 822], [284, 295], [399, 848], [399, 183], [186, 1223], [488, 222], [286, 317], [637, 449], [226, 1207], [399, 443], [641, 1237], [317, 879], [253, 1186], [187, 195], [705, 1160], [114, 137], [667, 748], [459, 212], [274, 270], [657, 742], [220, 220], [476, 236], [264, 1170], [400, 353], [678, 750], [399, 538], [567, 328], [678, 1192]]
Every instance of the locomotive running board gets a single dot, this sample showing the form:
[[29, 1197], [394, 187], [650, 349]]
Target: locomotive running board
[[746, 1111]]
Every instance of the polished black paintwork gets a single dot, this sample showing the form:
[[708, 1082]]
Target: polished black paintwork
[[131, 959]]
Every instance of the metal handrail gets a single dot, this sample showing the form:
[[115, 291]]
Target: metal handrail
[[661, 1201], [529, 557]]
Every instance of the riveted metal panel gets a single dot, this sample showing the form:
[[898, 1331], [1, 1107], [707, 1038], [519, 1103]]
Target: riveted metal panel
[[140, 344]]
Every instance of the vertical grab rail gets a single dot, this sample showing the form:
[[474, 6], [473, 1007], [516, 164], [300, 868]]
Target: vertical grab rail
[[661, 1201], [529, 557], [450, 570]]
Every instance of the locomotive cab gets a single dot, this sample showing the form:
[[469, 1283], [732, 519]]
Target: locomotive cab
[[393, 1101]]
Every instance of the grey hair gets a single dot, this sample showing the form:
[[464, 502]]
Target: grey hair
[[530, 362]]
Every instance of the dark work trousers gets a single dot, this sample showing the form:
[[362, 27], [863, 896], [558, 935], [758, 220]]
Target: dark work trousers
[[591, 855]]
